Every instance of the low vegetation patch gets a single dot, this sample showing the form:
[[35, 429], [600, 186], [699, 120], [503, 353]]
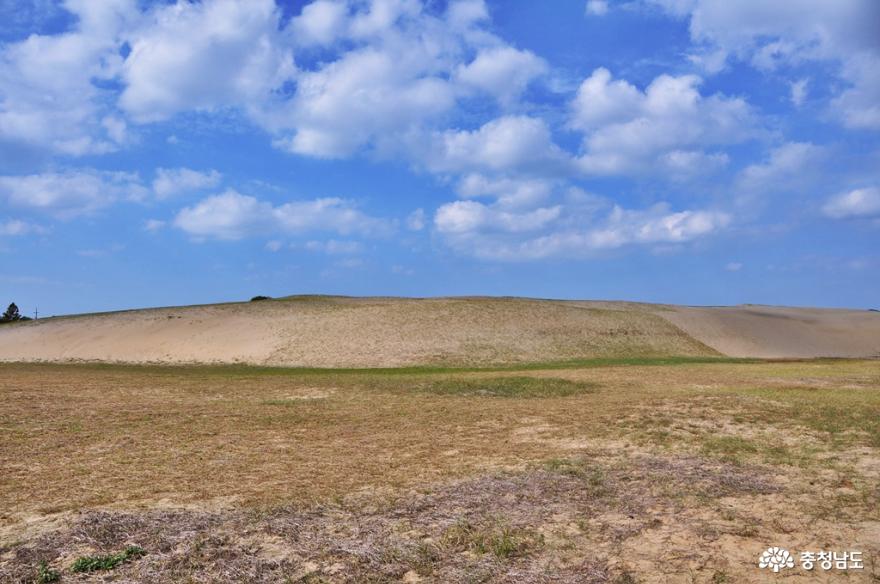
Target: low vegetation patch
[[107, 562], [525, 387], [45, 574], [502, 541], [593, 476], [605, 473]]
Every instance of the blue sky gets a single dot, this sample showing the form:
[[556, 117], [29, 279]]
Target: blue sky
[[684, 151]]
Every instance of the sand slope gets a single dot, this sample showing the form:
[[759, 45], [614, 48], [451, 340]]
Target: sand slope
[[775, 331], [377, 332]]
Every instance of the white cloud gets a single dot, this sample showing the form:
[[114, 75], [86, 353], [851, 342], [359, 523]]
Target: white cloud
[[70, 193], [321, 23], [388, 69], [154, 224], [173, 181], [597, 7], [463, 14], [656, 225], [666, 128], [49, 97], [787, 166], [508, 192], [415, 221], [393, 73], [381, 16], [203, 56], [854, 204], [601, 101], [231, 215], [16, 227], [335, 247], [799, 91], [365, 96], [468, 216], [485, 232], [509, 143], [733, 266], [503, 72], [772, 35]]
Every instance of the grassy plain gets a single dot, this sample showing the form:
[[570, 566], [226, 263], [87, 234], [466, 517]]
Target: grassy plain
[[615, 470]]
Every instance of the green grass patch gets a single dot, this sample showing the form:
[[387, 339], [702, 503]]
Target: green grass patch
[[517, 387], [45, 574], [107, 562], [243, 370], [729, 448]]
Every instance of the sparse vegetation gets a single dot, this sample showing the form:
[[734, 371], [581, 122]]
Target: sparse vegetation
[[45, 574], [523, 387], [107, 562], [502, 541], [259, 298], [367, 475]]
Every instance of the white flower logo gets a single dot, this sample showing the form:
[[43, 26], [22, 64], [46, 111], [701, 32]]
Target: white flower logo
[[776, 559]]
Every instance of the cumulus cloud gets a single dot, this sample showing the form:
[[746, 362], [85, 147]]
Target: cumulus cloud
[[469, 216], [668, 127], [231, 216], [203, 56], [388, 68], [71, 193], [321, 23], [772, 35], [49, 94], [486, 232], [174, 181], [656, 225], [502, 71], [358, 100], [508, 192], [509, 143], [858, 203], [395, 70]]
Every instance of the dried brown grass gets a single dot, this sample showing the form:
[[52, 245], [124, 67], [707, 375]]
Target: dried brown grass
[[226, 474]]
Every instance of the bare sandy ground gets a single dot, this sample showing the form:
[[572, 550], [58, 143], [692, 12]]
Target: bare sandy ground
[[778, 332], [388, 332]]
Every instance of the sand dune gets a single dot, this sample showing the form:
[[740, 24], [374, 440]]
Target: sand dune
[[377, 332], [771, 331]]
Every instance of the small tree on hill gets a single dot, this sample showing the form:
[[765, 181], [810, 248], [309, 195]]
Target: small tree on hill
[[11, 314]]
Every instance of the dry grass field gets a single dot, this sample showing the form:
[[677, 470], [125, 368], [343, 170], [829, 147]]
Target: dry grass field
[[626, 470]]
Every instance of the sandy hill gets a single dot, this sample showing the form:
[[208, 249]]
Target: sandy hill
[[374, 332]]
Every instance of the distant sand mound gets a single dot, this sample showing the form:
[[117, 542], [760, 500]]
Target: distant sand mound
[[778, 332], [320, 331]]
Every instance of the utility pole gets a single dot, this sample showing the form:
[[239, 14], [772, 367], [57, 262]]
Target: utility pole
[[36, 314]]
